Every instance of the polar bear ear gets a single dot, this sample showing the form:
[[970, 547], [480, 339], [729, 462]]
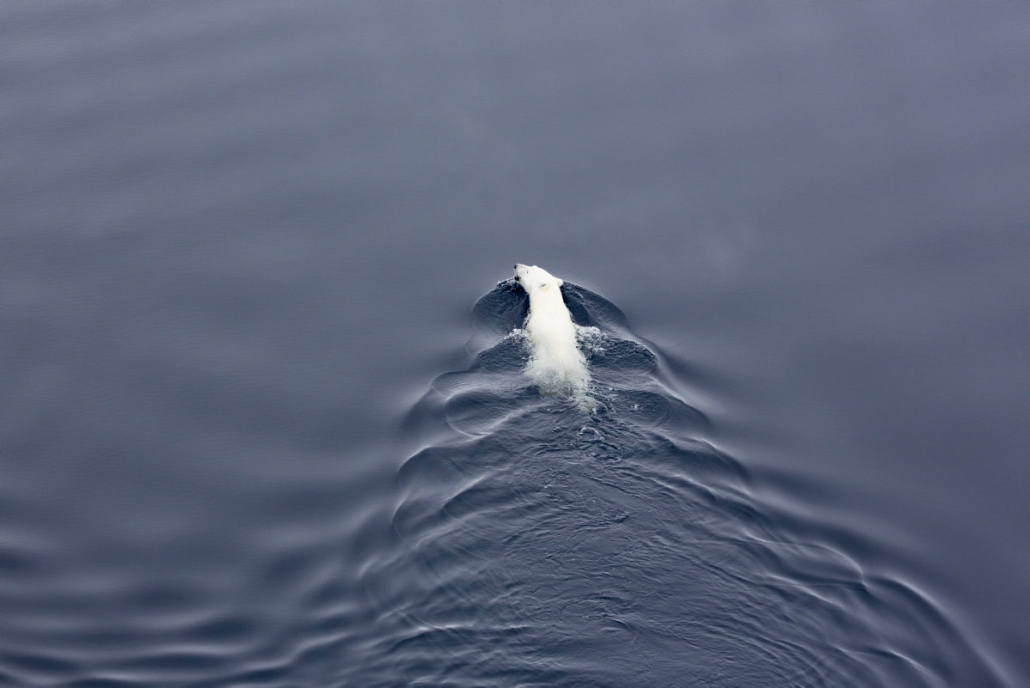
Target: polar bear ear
[[559, 281]]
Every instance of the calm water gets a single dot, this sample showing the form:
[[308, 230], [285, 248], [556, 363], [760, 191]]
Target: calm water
[[263, 422]]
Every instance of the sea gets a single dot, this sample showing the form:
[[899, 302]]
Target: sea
[[264, 415]]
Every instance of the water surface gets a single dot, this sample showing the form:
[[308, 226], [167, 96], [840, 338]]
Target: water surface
[[257, 431]]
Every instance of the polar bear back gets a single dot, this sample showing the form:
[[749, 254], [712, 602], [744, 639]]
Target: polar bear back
[[556, 359]]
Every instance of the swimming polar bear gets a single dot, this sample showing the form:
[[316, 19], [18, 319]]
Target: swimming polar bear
[[556, 364]]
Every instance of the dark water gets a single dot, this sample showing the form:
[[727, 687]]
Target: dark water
[[262, 422]]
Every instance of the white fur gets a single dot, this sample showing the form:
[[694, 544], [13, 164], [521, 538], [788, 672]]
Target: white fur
[[556, 364]]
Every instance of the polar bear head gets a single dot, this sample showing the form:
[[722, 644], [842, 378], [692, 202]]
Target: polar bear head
[[537, 281]]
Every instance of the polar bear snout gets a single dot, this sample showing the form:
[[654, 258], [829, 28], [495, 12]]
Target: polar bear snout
[[534, 279]]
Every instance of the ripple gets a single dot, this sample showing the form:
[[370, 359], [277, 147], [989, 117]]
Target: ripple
[[552, 546]]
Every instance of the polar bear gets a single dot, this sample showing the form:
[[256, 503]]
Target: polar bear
[[556, 364]]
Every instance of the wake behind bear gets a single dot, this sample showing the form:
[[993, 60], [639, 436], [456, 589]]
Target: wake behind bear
[[556, 364]]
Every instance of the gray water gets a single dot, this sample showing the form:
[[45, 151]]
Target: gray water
[[263, 421]]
